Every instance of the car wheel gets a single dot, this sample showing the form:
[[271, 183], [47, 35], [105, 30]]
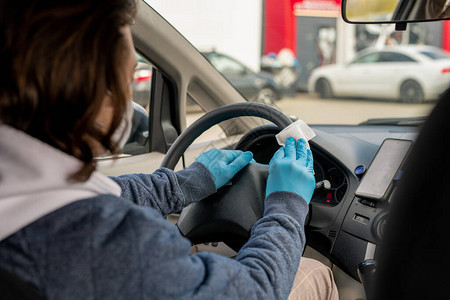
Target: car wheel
[[323, 88], [411, 92], [267, 96]]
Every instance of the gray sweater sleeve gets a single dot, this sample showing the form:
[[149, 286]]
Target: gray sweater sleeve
[[266, 265], [168, 191], [109, 248], [264, 268]]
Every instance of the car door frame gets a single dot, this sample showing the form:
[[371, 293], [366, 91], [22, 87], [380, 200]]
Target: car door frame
[[180, 70]]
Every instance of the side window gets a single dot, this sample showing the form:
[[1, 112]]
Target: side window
[[225, 64], [395, 57], [138, 141], [142, 80], [436, 54], [368, 58]]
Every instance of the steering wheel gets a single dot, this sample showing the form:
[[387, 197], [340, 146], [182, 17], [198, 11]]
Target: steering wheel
[[229, 214]]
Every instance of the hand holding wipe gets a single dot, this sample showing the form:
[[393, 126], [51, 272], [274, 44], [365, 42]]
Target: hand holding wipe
[[224, 164], [291, 169], [297, 130]]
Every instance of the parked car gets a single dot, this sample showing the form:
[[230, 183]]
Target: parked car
[[259, 87], [407, 73]]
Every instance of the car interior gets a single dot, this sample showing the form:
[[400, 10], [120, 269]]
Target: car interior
[[358, 168]]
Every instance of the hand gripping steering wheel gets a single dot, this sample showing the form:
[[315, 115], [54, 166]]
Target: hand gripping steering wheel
[[229, 214]]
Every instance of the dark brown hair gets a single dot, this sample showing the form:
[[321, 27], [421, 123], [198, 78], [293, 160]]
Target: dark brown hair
[[57, 61]]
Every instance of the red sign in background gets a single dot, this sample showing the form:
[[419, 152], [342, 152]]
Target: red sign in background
[[333, 5], [280, 30]]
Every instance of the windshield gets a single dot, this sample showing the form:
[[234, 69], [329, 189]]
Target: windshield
[[302, 58]]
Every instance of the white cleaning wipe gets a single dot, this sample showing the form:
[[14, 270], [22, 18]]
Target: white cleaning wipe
[[297, 130]]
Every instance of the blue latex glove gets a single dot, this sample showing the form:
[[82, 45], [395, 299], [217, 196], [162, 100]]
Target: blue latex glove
[[291, 169], [224, 164]]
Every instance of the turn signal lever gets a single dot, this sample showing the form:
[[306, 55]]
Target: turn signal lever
[[366, 273]]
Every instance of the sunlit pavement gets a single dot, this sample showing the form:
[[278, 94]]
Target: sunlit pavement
[[314, 110]]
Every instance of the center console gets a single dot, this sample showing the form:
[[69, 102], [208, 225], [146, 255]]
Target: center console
[[367, 216]]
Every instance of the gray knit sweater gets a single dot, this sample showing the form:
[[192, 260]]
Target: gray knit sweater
[[121, 247]]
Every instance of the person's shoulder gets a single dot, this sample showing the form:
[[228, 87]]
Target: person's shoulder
[[91, 215], [100, 237]]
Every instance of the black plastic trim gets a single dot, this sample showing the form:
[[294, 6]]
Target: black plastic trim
[[164, 127]]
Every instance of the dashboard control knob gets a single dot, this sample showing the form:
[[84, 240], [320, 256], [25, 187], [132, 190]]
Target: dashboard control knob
[[360, 170], [324, 184]]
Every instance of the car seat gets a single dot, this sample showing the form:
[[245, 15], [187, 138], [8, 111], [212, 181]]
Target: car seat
[[12, 288]]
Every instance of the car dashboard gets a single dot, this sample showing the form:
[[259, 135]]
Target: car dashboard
[[341, 226], [332, 179]]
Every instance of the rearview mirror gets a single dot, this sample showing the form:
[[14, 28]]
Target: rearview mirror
[[394, 11]]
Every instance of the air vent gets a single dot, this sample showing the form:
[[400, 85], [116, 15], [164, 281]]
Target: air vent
[[332, 233]]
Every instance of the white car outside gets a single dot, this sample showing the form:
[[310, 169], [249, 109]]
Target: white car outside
[[407, 73]]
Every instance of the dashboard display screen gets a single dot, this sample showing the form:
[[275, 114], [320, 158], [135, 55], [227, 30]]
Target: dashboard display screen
[[378, 180]]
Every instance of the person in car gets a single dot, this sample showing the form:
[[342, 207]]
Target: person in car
[[69, 232]]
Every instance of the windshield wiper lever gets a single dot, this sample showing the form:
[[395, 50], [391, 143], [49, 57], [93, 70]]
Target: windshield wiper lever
[[325, 184]]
